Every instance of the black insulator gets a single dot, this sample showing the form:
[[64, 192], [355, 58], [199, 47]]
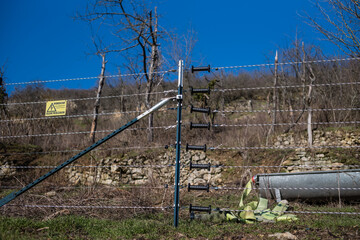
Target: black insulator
[[200, 69], [198, 187], [202, 110], [199, 125], [195, 147], [200, 166], [199, 209], [192, 216], [199, 90]]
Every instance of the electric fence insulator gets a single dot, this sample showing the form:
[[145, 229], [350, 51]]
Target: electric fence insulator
[[199, 209], [200, 166], [201, 110], [199, 90], [196, 147], [198, 187], [199, 125], [200, 69]]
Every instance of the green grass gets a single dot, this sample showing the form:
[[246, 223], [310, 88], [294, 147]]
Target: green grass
[[160, 226]]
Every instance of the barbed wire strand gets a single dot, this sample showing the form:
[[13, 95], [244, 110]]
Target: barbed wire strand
[[211, 148], [172, 91], [284, 147], [174, 70], [225, 188], [288, 63], [295, 166], [78, 150], [299, 212], [20, 120], [93, 187], [173, 127], [90, 166], [89, 98], [286, 110], [172, 165], [282, 212], [87, 206], [286, 86], [285, 188], [282, 124], [171, 207], [83, 132], [88, 78]]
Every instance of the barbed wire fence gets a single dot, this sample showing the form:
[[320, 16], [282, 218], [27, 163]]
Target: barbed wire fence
[[230, 120], [252, 116], [131, 197]]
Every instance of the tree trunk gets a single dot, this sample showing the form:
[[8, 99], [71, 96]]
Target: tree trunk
[[154, 65], [97, 101], [309, 108], [275, 93], [275, 100]]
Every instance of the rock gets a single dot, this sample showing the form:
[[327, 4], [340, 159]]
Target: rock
[[50, 194], [337, 165], [195, 158], [115, 168], [285, 235], [202, 156], [206, 176], [288, 163], [139, 182], [107, 182], [5, 171], [289, 169], [56, 214]]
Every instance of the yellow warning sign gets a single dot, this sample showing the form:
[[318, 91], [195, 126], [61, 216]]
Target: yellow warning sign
[[55, 108]]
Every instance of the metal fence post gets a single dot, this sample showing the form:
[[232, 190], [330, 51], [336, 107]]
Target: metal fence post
[[179, 98]]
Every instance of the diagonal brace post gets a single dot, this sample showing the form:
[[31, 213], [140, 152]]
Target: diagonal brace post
[[14, 195]]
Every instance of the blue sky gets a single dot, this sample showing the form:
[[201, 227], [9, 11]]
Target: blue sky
[[40, 40]]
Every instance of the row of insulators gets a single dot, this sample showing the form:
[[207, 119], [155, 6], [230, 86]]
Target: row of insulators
[[193, 209]]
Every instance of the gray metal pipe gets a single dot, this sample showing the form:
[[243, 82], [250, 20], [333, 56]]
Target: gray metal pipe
[[343, 184]]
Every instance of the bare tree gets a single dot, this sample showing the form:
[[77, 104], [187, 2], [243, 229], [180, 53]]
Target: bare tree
[[182, 47], [340, 23], [3, 94], [275, 99], [98, 95], [136, 31], [3, 97], [309, 107]]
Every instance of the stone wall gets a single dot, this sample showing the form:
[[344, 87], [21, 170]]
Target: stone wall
[[116, 171], [321, 138], [318, 159]]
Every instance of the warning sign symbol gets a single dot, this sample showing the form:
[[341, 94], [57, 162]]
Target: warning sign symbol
[[51, 108], [55, 108]]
